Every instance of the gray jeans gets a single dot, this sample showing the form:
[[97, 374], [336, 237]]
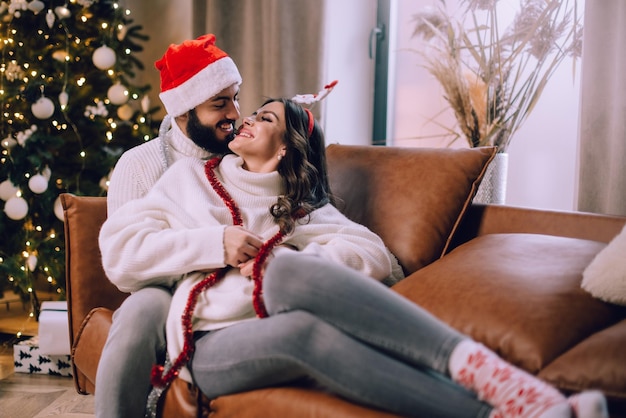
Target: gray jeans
[[348, 333], [135, 343]]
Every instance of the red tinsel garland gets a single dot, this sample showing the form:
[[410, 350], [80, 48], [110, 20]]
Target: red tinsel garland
[[257, 274], [158, 378]]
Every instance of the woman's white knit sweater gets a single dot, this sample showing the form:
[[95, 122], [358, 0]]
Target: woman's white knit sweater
[[176, 232]]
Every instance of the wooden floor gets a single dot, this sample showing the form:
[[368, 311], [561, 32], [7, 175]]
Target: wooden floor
[[25, 395]]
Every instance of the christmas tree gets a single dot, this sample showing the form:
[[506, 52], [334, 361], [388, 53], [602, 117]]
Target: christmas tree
[[68, 109]]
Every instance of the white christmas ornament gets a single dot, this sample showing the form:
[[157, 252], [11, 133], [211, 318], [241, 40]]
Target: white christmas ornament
[[32, 262], [145, 104], [25, 135], [103, 57], [118, 94], [60, 55], [7, 190], [58, 209], [125, 112], [9, 142], [121, 34], [104, 183], [62, 12], [35, 6], [38, 184], [16, 5], [63, 99], [50, 18], [98, 110], [16, 208], [43, 108]]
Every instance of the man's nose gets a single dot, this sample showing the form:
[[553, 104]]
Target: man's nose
[[232, 110]]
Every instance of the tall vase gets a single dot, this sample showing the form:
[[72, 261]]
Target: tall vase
[[492, 189]]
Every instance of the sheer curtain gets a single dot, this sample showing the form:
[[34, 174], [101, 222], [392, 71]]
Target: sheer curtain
[[602, 178], [277, 44]]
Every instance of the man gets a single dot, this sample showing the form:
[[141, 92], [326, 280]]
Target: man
[[199, 90]]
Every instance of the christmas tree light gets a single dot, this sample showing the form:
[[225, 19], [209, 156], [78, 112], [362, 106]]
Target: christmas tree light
[[68, 109]]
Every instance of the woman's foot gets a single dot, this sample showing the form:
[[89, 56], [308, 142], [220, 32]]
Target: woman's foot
[[589, 404], [558, 411], [511, 391]]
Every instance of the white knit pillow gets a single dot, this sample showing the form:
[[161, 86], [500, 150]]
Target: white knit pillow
[[605, 276]]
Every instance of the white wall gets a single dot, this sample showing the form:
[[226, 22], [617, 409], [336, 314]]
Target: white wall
[[348, 109], [543, 153]]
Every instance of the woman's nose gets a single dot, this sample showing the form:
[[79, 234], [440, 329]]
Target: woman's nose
[[248, 120]]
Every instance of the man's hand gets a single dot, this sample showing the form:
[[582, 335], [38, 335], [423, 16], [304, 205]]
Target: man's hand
[[240, 245]]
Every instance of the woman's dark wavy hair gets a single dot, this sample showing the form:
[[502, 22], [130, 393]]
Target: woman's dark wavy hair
[[303, 168]]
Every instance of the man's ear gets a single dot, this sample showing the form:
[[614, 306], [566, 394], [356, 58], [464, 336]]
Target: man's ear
[[181, 121], [183, 118]]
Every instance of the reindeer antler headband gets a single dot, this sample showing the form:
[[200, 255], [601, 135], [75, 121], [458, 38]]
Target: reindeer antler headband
[[310, 99]]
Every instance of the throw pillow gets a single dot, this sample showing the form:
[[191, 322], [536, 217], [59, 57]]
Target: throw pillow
[[605, 277], [413, 198]]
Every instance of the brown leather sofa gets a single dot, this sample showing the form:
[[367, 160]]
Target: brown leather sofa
[[509, 277]]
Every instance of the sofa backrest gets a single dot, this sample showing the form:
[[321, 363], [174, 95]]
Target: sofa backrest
[[414, 198]]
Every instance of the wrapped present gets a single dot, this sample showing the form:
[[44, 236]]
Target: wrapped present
[[54, 334], [28, 358]]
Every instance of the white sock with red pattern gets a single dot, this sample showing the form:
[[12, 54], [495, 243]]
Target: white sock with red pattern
[[511, 391], [589, 404]]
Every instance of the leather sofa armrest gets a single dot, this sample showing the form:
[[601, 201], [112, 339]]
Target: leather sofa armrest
[[87, 348], [87, 287], [492, 219], [86, 284]]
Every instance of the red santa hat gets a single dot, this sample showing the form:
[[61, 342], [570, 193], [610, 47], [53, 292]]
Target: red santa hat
[[193, 72]]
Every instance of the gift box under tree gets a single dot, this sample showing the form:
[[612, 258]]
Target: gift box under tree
[[28, 358]]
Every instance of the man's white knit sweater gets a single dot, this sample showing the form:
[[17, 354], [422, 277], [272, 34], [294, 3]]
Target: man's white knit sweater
[[139, 168], [176, 232]]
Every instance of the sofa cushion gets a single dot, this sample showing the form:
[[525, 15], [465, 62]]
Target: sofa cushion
[[414, 198], [597, 362], [289, 402], [605, 276], [519, 294]]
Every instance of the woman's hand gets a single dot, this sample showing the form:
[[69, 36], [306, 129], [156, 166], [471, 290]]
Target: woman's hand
[[246, 268], [240, 245]]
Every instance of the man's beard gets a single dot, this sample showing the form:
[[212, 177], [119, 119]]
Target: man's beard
[[205, 136]]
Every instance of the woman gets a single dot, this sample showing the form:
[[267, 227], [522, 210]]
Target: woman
[[323, 318]]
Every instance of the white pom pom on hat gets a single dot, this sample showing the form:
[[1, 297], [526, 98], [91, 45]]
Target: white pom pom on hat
[[193, 72]]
